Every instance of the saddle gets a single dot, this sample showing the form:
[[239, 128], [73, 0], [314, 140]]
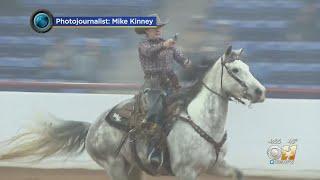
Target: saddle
[[126, 116]]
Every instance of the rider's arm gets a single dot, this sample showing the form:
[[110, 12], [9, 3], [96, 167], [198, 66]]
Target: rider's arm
[[180, 57], [148, 50]]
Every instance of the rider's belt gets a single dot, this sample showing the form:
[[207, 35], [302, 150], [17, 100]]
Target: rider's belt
[[167, 78], [155, 75]]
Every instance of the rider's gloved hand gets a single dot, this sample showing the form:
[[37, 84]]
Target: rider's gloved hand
[[169, 43]]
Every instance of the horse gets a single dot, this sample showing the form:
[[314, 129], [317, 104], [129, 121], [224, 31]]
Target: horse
[[191, 153]]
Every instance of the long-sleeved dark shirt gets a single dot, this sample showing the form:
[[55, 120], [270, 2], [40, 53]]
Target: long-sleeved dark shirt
[[155, 57]]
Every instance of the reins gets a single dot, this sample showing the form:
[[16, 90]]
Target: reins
[[236, 78]]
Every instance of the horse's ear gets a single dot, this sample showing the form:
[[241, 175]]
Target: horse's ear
[[228, 51], [239, 52]]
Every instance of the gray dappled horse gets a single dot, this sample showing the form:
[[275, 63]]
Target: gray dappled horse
[[190, 153]]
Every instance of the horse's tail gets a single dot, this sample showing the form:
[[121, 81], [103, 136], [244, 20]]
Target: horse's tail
[[47, 138]]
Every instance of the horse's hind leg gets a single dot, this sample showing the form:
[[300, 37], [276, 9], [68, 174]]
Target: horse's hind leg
[[116, 168], [224, 169], [135, 174], [119, 169]]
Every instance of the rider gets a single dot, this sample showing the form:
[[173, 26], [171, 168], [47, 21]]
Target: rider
[[156, 57]]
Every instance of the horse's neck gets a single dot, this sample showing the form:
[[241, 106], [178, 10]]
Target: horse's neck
[[207, 109]]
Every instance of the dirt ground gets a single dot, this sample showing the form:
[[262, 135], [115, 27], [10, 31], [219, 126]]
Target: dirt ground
[[11, 173]]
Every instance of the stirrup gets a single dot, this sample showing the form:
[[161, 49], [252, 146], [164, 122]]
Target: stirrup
[[161, 158], [161, 162], [150, 154]]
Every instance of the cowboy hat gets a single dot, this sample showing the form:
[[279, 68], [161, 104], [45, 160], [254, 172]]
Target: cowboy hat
[[160, 23]]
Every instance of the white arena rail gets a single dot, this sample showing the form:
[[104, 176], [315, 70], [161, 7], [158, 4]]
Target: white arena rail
[[122, 86]]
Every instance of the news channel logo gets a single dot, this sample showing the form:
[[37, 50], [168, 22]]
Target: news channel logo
[[282, 153], [41, 21]]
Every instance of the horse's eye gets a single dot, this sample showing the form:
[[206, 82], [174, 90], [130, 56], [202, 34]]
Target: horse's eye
[[235, 70]]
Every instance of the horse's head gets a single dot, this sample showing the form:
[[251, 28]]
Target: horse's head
[[237, 80]]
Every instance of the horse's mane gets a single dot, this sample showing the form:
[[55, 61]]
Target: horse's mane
[[188, 93]]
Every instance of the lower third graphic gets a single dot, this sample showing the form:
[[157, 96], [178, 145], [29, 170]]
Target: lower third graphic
[[282, 153]]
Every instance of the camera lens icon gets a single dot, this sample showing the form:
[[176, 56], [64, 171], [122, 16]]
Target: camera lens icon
[[41, 21]]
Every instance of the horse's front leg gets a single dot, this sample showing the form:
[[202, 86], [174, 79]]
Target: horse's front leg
[[224, 169]]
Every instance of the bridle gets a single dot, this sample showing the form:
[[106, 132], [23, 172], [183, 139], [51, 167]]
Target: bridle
[[228, 96]]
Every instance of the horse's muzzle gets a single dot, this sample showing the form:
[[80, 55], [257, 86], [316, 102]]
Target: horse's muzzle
[[259, 95], [256, 95]]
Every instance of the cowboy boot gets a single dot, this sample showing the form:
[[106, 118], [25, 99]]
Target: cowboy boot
[[155, 156]]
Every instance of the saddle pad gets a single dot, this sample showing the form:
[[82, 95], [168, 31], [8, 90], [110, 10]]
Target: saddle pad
[[119, 116]]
